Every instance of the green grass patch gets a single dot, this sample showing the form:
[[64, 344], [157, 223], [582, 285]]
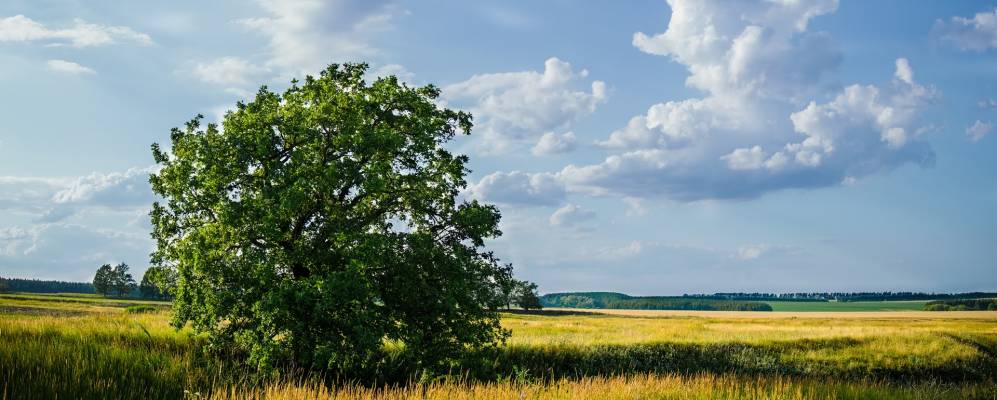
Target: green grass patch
[[962, 305], [803, 306], [79, 299], [86, 351], [140, 309]]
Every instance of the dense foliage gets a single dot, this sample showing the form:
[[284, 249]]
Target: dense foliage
[[962, 305], [38, 286], [158, 283], [323, 223], [527, 297], [522, 294], [611, 300], [115, 280]]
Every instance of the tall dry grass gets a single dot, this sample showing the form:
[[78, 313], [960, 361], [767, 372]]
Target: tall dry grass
[[51, 349], [644, 386]]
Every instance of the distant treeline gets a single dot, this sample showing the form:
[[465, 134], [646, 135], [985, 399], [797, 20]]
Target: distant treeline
[[843, 296], [609, 300], [962, 305], [37, 286], [752, 301]]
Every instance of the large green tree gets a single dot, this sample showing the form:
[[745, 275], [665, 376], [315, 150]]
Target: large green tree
[[321, 223]]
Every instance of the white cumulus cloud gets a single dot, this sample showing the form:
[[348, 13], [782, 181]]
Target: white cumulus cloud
[[74, 224], [515, 108], [81, 34], [552, 143], [771, 117], [519, 188], [55, 199], [304, 36]]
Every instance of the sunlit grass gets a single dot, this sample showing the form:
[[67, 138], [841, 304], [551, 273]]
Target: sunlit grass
[[93, 349], [669, 386], [903, 305]]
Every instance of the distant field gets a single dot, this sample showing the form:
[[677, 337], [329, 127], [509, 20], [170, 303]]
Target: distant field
[[818, 315], [63, 300], [85, 347], [909, 305]]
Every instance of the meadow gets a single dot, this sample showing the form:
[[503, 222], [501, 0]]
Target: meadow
[[807, 306], [69, 346]]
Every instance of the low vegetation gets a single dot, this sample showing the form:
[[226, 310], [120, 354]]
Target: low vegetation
[[846, 306], [611, 300], [139, 309], [87, 347], [962, 305]]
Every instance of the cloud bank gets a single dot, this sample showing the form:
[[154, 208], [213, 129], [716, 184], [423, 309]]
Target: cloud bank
[[766, 121]]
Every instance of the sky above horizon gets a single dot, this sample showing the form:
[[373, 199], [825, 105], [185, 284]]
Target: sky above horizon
[[647, 147]]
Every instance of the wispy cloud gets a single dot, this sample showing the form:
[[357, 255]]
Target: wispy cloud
[[81, 34], [68, 67]]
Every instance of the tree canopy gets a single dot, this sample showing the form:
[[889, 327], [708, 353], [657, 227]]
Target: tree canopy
[[102, 280], [158, 282], [114, 279], [319, 224]]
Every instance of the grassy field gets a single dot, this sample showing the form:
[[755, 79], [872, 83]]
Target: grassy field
[[806, 306], [87, 347]]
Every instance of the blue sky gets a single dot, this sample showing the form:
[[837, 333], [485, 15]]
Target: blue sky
[[648, 147]]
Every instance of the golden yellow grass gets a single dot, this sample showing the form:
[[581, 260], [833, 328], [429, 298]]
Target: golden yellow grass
[[644, 386], [54, 347], [863, 343], [984, 315], [631, 328]]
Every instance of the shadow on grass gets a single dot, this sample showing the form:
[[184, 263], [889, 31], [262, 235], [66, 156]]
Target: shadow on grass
[[41, 311], [778, 358], [130, 364], [553, 313]]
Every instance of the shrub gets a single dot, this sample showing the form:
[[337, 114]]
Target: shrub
[[140, 309], [961, 305]]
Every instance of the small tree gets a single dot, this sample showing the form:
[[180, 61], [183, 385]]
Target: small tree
[[121, 280], [324, 221], [505, 291], [526, 296], [102, 281]]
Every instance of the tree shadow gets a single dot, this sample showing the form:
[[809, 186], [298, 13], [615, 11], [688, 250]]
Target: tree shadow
[[552, 313], [776, 358]]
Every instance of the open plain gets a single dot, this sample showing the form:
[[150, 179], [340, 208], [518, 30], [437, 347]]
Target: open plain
[[54, 346]]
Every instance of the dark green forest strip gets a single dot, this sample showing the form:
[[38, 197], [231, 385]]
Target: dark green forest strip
[[608, 300]]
